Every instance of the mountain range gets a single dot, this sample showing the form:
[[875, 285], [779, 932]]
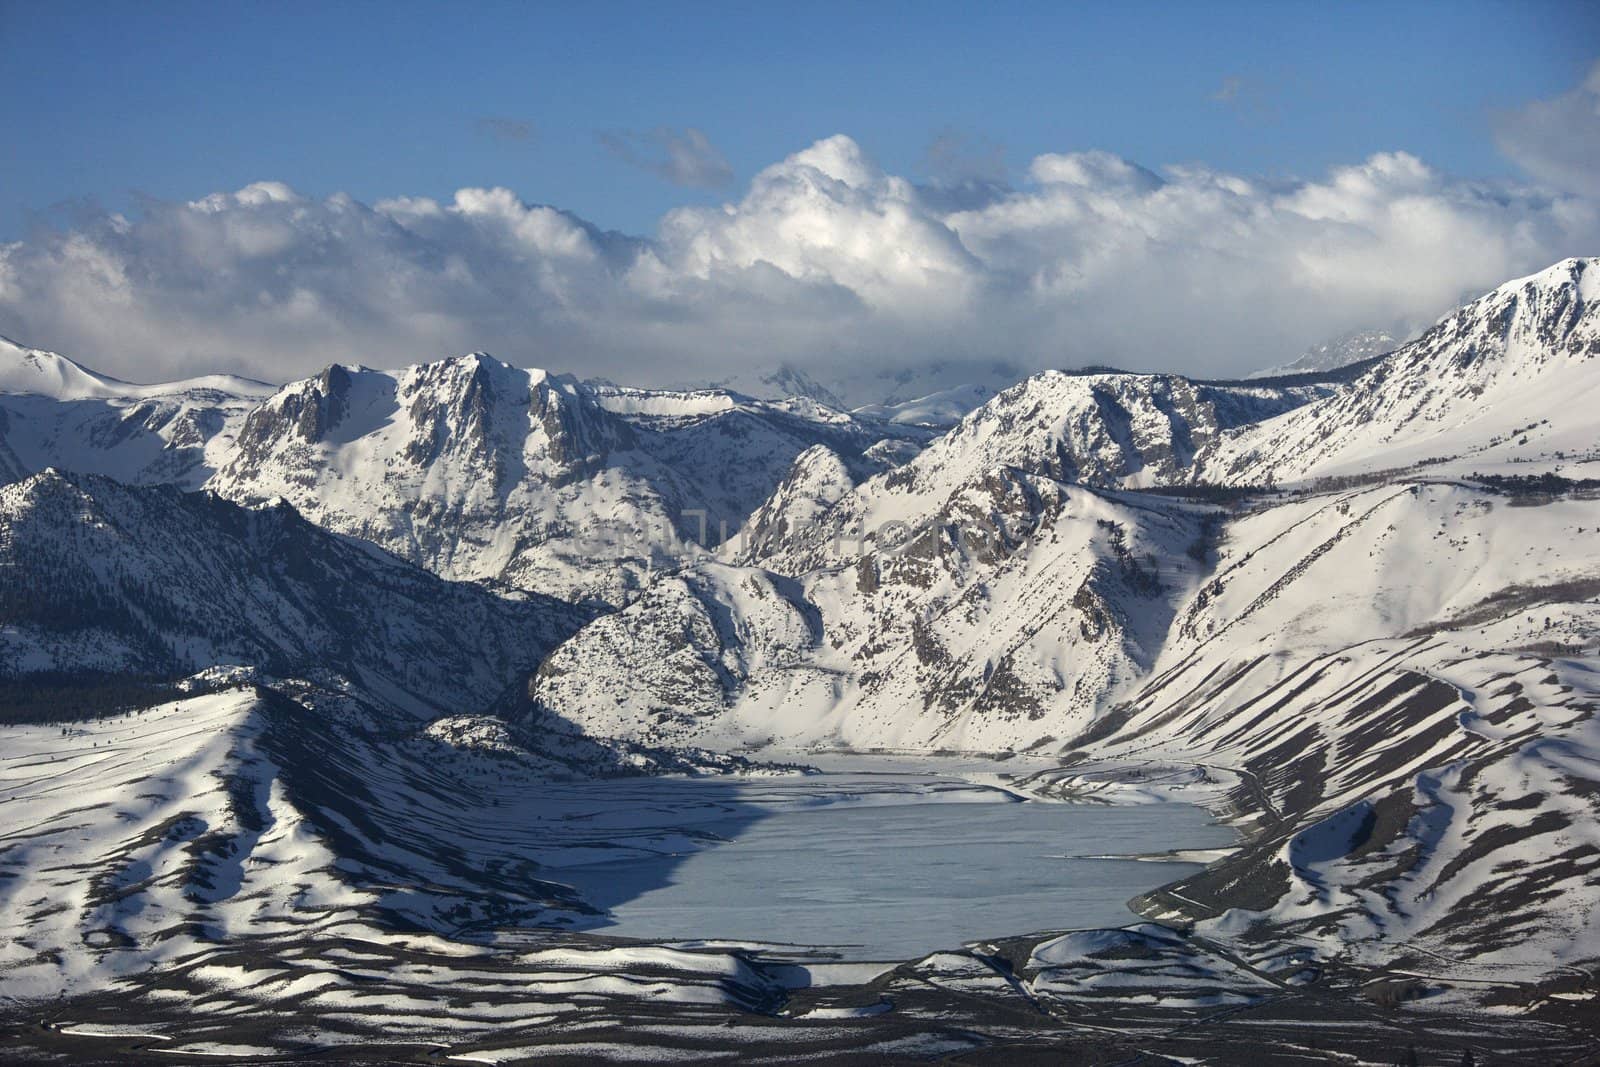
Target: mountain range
[[1355, 611]]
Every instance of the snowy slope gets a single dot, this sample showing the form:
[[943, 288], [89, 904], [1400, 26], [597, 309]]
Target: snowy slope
[[1027, 608], [940, 410], [98, 579], [467, 466], [1398, 677], [818, 479], [55, 413], [870, 384], [953, 600], [1508, 379], [1403, 679], [1100, 429], [1385, 673], [287, 851], [732, 451], [969, 597]]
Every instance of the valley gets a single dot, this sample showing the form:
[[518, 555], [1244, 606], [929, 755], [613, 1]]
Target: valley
[[476, 713]]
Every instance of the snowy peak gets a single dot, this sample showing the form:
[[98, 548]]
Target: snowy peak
[[473, 413], [56, 413], [313, 407], [1511, 377], [1016, 612], [868, 385], [790, 381], [478, 406], [1518, 328], [460, 466], [819, 478], [36, 372], [477, 469], [1107, 428], [1336, 354], [938, 410], [1104, 429], [1099, 428]]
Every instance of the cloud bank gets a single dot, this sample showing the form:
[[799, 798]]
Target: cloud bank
[[826, 262]]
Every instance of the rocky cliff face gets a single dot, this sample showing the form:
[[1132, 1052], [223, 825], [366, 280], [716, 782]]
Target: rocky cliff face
[[476, 469]]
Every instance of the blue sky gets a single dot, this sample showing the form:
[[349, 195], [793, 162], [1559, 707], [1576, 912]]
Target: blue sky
[[104, 101], [861, 192]]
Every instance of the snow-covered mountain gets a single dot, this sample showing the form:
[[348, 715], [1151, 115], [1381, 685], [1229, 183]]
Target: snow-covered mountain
[[100, 580], [870, 386], [1390, 675], [1505, 381], [940, 410], [1004, 586], [781, 382], [55, 413], [1403, 678], [468, 467], [1341, 351], [477, 469], [733, 451], [1091, 428], [1026, 607], [146, 850], [1355, 612], [980, 595], [1108, 430]]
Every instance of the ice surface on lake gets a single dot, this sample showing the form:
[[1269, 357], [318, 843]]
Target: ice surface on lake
[[883, 866]]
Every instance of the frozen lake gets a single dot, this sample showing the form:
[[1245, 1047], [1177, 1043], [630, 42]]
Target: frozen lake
[[885, 865]]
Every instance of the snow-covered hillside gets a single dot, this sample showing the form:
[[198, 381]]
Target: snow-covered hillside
[[1396, 674], [940, 410], [160, 850], [99, 580], [982, 595], [1505, 381], [468, 467], [55, 413], [1025, 608], [1097, 428], [970, 597], [1403, 679], [870, 386], [733, 451]]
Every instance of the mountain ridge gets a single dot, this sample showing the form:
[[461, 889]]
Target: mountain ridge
[[104, 579], [1353, 613]]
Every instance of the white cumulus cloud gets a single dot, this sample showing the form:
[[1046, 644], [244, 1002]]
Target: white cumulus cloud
[[826, 262]]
